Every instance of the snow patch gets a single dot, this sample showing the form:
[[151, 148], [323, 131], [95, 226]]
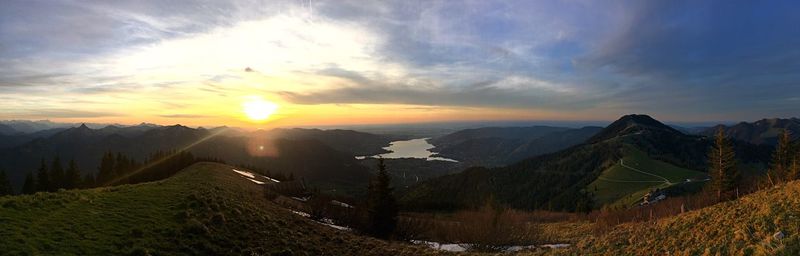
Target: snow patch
[[255, 181], [301, 199], [443, 247], [252, 176], [555, 246], [465, 247], [338, 203], [246, 174], [325, 221], [302, 214]]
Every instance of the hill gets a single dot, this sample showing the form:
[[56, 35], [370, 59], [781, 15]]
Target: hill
[[206, 209], [746, 226], [357, 143], [497, 146], [286, 152], [764, 131], [636, 174], [562, 180]]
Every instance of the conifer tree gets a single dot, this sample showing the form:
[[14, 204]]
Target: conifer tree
[[30, 185], [382, 207], [781, 161], [72, 178], [89, 181], [56, 175], [722, 166], [5, 184], [42, 178], [105, 172]]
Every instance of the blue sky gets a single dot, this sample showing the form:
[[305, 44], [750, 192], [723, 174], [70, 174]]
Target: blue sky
[[571, 60]]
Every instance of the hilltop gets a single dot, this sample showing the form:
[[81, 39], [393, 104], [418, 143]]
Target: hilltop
[[568, 180], [205, 209]]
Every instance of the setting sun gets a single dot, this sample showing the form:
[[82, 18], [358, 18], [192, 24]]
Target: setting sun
[[258, 109]]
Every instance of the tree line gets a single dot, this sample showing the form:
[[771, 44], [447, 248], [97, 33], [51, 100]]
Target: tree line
[[114, 169], [726, 177]]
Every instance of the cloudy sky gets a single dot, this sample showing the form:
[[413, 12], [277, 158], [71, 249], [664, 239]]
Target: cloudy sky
[[349, 62]]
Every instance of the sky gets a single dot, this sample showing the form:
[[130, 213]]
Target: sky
[[372, 62]]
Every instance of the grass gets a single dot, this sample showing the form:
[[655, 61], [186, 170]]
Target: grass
[[610, 189], [206, 209], [741, 227]]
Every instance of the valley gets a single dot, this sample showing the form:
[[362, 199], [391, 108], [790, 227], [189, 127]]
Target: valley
[[552, 203]]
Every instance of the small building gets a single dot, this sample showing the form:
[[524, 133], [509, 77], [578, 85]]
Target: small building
[[653, 197]]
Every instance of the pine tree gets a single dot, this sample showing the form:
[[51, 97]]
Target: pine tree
[[89, 181], [42, 178], [781, 161], [30, 185], [72, 178], [5, 184], [722, 166], [105, 172], [56, 175], [382, 206]]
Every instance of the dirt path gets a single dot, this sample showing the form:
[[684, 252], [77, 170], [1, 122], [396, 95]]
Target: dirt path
[[666, 181]]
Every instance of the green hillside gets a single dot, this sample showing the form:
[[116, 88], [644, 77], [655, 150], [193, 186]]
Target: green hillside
[[206, 209], [636, 174], [746, 226]]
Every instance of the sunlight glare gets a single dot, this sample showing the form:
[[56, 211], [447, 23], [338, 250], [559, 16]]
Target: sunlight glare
[[258, 109]]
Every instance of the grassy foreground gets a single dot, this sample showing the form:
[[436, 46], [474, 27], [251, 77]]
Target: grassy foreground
[[746, 226], [204, 210]]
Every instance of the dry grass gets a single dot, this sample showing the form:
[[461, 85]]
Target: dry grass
[[740, 227]]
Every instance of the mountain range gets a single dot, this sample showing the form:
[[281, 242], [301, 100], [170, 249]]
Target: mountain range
[[308, 154], [563, 180], [498, 146], [764, 131]]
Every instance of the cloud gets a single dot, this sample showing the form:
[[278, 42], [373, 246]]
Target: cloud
[[582, 56], [58, 113], [183, 116]]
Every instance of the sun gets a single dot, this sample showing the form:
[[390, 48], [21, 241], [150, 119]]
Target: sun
[[258, 109]]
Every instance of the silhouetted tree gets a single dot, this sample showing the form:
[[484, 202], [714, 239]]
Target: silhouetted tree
[[382, 207], [781, 158], [56, 175], [722, 166], [105, 172], [29, 187], [88, 181], [72, 178], [5, 184], [42, 178]]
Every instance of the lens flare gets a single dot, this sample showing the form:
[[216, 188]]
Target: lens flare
[[258, 109]]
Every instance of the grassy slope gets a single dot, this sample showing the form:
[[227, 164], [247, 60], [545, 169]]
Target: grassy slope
[[205, 209], [743, 226], [609, 192]]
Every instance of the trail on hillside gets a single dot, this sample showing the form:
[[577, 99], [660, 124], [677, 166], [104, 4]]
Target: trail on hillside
[[666, 181], [628, 181]]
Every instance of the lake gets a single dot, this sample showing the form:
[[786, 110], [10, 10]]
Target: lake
[[416, 148]]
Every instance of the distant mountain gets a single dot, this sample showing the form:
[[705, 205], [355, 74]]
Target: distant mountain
[[317, 162], [27, 126], [560, 181], [7, 129], [357, 143], [690, 130], [764, 131], [495, 146], [16, 139]]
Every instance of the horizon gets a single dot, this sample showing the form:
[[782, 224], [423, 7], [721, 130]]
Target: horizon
[[323, 63], [457, 124]]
